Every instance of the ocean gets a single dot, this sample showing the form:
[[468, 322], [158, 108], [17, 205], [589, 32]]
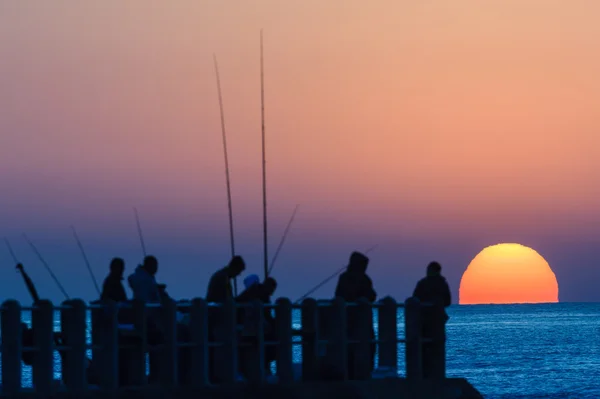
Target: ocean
[[549, 351]]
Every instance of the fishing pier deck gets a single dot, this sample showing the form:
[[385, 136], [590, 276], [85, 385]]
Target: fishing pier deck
[[182, 368]]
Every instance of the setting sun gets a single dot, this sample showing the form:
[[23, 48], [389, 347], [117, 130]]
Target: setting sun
[[508, 273]]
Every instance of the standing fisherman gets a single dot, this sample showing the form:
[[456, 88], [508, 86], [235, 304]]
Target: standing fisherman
[[112, 288], [220, 291], [433, 289], [353, 285], [145, 289]]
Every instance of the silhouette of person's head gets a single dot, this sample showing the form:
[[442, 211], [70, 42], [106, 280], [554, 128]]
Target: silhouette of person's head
[[270, 285], [117, 266], [358, 262], [434, 269], [236, 266], [150, 264]]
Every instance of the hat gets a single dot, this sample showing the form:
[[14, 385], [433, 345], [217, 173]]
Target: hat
[[251, 280], [358, 258]]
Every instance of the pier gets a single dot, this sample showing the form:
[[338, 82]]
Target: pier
[[180, 364]]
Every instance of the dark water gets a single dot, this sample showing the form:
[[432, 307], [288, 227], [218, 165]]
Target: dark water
[[515, 351]]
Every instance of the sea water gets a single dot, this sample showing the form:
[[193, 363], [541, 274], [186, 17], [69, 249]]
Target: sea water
[[510, 351]]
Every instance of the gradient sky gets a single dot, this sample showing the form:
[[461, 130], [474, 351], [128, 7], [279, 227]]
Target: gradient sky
[[431, 128]]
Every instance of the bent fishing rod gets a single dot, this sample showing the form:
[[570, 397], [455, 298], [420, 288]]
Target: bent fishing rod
[[28, 282], [85, 259], [41, 258], [328, 279], [36, 298], [227, 179]]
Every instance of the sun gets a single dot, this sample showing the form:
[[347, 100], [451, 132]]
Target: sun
[[508, 273]]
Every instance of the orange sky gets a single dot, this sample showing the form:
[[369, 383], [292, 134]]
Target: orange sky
[[449, 115]]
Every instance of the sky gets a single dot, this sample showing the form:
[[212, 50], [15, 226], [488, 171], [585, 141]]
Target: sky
[[431, 129]]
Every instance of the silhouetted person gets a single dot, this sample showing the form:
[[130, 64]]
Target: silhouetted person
[[219, 291], [262, 292], [145, 289], [433, 289], [113, 289], [354, 284], [219, 286], [247, 317], [143, 281], [251, 280]]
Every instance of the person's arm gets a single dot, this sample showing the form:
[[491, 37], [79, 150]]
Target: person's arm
[[418, 292], [368, 291], [121, 294], [155, 292], [104, 292], [341, 289]]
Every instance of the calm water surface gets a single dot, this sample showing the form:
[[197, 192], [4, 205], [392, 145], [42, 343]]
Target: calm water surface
[[515, 351]]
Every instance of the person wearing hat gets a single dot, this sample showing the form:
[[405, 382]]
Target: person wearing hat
[[256, 291], [112, 288], [433, 289], [354, 284], [251, 280]]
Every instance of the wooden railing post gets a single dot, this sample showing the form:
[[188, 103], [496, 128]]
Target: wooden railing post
[[255, 354], [42, 320], [339, 346], [437, 353], [388, 334], [11, 347], [199, 338], [310, 340], [73, 329], [108, 371], [136, 355], [283, 317], [98, 349], [362, 349], [168, 366], [227, 350], [412, 328]]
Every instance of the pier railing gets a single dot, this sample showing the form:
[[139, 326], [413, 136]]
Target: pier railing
[[333, 335]]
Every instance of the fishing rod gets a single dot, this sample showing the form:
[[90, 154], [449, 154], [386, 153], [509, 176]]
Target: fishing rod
[[328, 279], [41, 258], [28, 282], [85, 259], [264, 163], [227, 180], [285, 233], [139, 228], [12, 253], [57, 338]]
